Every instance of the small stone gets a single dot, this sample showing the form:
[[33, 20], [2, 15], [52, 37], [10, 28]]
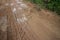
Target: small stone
[[14, 10]]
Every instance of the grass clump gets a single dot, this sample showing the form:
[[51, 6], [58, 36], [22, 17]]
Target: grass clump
[[53, 5]]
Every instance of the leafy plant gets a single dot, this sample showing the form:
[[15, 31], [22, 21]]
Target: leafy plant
[[53, 5]]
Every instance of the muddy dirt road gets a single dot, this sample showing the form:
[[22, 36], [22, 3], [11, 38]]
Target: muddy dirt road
[[21, 21]]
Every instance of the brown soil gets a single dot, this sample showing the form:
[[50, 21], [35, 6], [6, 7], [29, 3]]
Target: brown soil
[[26, 23]]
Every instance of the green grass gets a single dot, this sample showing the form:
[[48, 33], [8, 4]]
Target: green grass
[[53, 5]]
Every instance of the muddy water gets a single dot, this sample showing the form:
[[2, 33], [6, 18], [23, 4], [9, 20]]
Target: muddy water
[[20, 21]]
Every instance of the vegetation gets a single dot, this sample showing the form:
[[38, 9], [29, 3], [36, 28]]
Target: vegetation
[[53, 5]]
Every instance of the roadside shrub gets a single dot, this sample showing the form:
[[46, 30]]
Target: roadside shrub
[[53, 5]]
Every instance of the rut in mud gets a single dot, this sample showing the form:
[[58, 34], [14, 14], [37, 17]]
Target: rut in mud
[[21, 21]]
